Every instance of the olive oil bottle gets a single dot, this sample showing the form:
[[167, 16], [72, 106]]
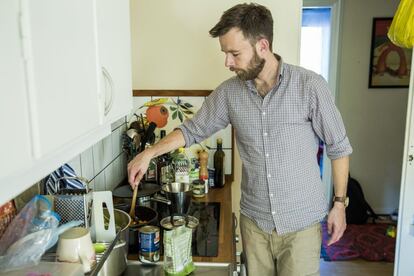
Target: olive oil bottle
[[219, 165]]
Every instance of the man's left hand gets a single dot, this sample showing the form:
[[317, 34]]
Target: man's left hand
[[336, 222]]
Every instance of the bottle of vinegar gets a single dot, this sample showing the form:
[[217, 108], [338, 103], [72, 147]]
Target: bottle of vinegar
[[219, 165]]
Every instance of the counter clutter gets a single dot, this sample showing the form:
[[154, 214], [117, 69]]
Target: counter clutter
[[226, 251]]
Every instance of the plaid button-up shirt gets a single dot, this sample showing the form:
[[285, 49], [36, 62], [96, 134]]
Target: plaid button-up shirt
[[278, 138]]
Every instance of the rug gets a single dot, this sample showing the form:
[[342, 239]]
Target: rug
[[367, 241]]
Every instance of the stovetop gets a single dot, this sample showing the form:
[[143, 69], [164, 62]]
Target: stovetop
[[206, 236]]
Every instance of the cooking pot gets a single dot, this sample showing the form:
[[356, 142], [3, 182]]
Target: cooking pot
[[146, 216], [123, 195], [179, 194], [116, 262]]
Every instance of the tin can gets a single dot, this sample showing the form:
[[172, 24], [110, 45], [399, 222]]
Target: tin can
[[149, 244]]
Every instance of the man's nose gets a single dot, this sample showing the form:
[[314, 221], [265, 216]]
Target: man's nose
[[229, 61]]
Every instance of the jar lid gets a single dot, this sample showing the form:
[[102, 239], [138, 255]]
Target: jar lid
[[176, 221]]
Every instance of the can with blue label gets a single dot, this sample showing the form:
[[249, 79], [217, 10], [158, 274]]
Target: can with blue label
[[149, 244]]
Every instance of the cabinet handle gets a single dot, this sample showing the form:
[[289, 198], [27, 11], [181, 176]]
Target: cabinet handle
[[108, 105]]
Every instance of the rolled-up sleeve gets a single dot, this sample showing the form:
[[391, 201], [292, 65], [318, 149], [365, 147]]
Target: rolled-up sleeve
[[327, 121], [212, 117]]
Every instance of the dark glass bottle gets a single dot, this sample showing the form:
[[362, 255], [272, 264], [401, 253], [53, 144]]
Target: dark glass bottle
[[219, 165], [164, 165]]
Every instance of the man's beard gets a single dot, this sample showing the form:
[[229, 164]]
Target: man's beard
[[255, 66]]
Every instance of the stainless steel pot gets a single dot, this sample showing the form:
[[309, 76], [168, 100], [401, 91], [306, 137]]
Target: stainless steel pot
[[180, 196], [116, 262]]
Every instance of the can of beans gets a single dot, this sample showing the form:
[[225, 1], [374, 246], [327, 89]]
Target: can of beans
[[149, 244]]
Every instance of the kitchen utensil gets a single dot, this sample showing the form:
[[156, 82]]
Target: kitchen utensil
[[101, 231], [116, 262], [148, 133], [74, 246], [180, 196], [74, 204], [131, 133], [134, 199]]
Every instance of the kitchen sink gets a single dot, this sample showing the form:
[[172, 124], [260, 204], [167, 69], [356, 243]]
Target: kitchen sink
[[216, 269]]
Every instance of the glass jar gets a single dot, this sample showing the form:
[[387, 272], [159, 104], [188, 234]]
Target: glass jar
[[198, 188]]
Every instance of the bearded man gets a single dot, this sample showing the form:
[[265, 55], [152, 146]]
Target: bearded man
[[279, 112]]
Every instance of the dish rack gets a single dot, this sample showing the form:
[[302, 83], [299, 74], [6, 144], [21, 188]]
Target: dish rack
[[100, 257]]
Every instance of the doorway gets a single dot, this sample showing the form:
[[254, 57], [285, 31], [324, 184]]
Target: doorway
[[319, 53]]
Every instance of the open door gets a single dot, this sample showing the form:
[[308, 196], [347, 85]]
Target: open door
[[404, 249]]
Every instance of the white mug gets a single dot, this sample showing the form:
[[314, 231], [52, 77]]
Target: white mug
[[75, 246]]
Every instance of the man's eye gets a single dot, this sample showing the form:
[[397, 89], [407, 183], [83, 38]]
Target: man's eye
[[235, 55]]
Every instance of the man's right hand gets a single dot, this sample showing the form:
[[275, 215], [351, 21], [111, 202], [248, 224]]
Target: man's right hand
[[138, 167]]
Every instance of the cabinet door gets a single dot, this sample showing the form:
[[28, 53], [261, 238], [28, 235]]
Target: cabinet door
[[114, 47], [63, 71], [15, 147]]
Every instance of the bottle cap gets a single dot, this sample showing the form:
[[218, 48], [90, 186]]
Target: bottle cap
[[219, 141]]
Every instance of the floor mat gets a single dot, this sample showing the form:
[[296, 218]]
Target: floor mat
[[367, 241]]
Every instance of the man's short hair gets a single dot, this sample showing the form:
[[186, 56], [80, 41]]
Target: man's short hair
[[254, 20]]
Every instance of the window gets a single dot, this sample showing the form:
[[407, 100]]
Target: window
[[315, 40]]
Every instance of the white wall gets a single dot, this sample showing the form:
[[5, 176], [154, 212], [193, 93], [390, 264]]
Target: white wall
[[374, 118], [173, 50]]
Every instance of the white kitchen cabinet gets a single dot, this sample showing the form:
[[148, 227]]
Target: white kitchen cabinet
[[53, 103], [114, 49], [15, 138], [63, 71]]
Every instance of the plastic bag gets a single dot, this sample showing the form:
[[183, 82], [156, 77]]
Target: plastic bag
[[29, 235], [401, 32], [178, 260]]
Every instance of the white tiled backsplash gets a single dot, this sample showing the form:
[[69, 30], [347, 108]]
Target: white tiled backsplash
[[104, 163]]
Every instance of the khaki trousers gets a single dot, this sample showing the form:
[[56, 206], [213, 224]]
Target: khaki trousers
[[293, 254]]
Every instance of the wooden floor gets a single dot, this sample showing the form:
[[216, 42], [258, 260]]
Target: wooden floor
[[356, 268]]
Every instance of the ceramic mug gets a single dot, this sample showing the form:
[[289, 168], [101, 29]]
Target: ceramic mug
[[75, 246]]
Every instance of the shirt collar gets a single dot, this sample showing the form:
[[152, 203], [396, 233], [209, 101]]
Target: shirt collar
[[280, 71]]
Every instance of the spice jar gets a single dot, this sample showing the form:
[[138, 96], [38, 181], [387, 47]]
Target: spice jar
[[198, 188]]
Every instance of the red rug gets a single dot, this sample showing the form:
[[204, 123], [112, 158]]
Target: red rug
[[367, 241]]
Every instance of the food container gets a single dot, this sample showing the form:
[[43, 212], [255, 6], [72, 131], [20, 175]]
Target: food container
[[149, 244], [198, 188]]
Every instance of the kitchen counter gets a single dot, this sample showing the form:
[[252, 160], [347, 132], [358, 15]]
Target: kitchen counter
[[216, 269], [226, 248]]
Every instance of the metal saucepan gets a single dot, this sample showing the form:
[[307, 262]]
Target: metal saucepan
[[123, 194], [116, 262], [144, 216], [180, 196]]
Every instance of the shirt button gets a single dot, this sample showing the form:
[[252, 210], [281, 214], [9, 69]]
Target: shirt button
[[273, 212], [265, 134], [269, 175], [264, 113], [271, 195], [267, 155]]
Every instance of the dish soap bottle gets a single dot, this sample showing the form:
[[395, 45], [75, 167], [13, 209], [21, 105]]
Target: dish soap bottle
[[182, 167]]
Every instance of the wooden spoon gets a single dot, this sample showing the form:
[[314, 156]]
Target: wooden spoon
[[132, 210]]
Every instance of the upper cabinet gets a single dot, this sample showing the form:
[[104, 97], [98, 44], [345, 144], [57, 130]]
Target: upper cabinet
[[15, 143], [60, 39], [114, 47], [65, 77]]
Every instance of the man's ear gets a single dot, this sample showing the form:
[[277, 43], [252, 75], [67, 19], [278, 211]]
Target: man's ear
[[262, 46]]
